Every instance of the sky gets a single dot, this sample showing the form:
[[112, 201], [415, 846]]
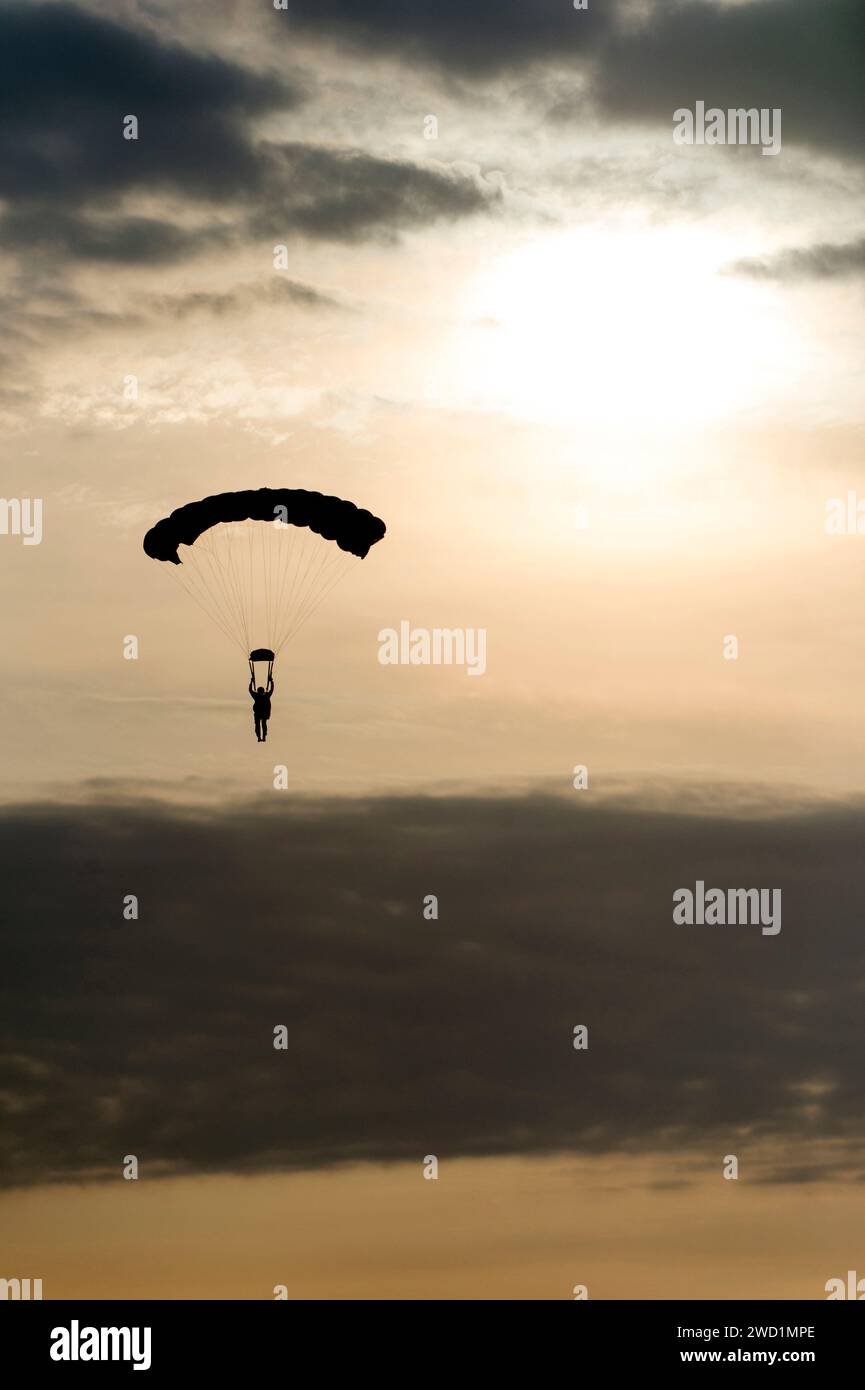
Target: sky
[[449, 263]]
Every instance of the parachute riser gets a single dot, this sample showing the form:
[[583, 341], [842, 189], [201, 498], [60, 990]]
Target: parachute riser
[[261, 654]]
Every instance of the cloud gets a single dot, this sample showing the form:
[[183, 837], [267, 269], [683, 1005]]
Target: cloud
[[825, 261], [274, 291], [349, 195], [118, 239], [642, 62], [68, 79], [480, 39], [808, 61], [405, 1036]]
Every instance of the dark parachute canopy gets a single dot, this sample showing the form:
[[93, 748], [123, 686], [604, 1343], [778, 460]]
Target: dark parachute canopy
[[259, 562], [353, 528]]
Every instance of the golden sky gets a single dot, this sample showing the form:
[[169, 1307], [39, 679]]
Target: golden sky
[[501, 1229]]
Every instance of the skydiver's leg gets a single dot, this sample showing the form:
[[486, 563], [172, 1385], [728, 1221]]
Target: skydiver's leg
[[263, 730], [258, 727]]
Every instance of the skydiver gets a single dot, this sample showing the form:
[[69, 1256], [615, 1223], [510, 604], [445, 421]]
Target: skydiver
[[261, 708]]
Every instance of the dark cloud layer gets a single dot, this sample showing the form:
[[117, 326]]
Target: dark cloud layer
[[67, 81], [826, 261], [405, 1036], [33, 313], [68, 78], [349, 195], [114, 239], [480, 38], [808, 59]]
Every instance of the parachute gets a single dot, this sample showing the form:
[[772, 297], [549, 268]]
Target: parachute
[[260, 562]]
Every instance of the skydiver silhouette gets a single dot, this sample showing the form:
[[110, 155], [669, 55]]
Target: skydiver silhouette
[[261, 708]]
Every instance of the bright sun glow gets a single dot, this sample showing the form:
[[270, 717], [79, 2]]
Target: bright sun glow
[[633, 327]]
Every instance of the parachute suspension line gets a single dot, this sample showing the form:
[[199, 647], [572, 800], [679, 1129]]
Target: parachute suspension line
[[312, 582], [226, 543], [290, 548], [336, 570], [227, 565], [250, 536], [298, 596], [308, 586], [296, 551], [263, 606], [329, 570], [301, 548], [224, 566], [188, 589], [340, 574], [330, 563], [265, 562], [273, 556], [192, 580], [261, 591], [278, 547], [231, 605], [236, 583], [297, 542], [287, 549], [204, 562], [254, 578]]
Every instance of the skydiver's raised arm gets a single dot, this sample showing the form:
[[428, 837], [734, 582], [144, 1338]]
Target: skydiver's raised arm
[[251, 683], [270, 685]]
